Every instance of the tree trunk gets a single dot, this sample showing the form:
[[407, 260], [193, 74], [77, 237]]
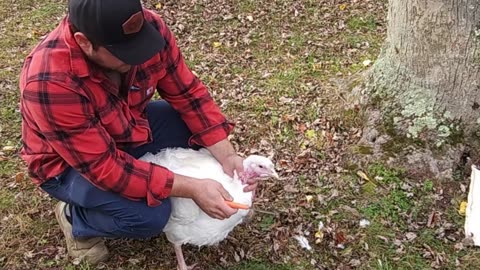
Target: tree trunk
[[427, 77], [426, 85]]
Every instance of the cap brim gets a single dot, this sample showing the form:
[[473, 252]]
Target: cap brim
[[140, 48]]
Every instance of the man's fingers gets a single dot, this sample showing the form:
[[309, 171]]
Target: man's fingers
[[225, 194], [251, 181], [250, 187], [218, 214], [239, 166], [228, 172], [230, 211], [222, 211], [233, 163]]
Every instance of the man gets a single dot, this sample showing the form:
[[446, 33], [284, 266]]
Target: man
[[87, 114]]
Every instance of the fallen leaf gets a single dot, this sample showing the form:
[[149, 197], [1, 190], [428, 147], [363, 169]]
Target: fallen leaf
[[158, 6], [463, 208], [410, 236], [319, 234], [29, 254], [351, 210], [76, 261], [383, 238], [318, 237], [134, 261], [284, 100], [355, 262], [19, 177], [236, 257], [302, 127], [340, 238], [363, 176], [342, 7], [217, 44], [8, 148], [367, 63], [290, 188], [431, 220], [310, 134]]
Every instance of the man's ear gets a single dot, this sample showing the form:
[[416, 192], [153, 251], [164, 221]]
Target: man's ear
[[84, 43]]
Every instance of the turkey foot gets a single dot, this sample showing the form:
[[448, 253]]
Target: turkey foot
[[181, 260]]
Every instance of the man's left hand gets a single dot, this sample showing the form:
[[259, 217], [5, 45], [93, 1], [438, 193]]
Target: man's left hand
[[235, 163], [231, 163]]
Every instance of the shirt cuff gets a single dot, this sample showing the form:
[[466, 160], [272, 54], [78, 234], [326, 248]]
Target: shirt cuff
[[212, 135], [159, 185]]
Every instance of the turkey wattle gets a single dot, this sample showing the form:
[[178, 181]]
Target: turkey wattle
[[188, 224]]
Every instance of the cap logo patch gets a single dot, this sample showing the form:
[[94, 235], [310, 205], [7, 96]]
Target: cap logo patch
[[133, 24]]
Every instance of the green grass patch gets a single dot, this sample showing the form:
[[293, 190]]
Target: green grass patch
[[247, 6], [266, 222], [7, 200], [360, 23], [393, 203]]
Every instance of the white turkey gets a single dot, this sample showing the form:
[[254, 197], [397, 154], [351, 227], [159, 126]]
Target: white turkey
[[188, 224]]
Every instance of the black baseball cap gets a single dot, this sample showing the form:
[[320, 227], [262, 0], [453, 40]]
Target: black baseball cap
[[119, 26]]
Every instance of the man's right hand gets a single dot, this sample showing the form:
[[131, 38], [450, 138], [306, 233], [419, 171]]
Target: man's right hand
[[208, 194]]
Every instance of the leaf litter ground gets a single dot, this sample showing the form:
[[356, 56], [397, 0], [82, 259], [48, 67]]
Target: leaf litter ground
[[273, 67]]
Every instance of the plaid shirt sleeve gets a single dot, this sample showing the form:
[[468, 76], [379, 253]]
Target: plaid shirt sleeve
[[188, 95], [87, 146]]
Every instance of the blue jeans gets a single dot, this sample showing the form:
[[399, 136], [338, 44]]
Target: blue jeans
[[101, 213]]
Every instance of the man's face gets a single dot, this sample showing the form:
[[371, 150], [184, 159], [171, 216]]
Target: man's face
[[100, 55], [104, 58]]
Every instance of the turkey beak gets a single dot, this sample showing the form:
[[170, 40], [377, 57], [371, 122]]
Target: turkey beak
[[275, 174]]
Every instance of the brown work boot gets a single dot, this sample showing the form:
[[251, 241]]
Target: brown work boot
[[91, 250]]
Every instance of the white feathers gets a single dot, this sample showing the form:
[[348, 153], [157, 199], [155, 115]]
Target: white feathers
[[303, 242], [472, 219], [364, 223], [188, 223]]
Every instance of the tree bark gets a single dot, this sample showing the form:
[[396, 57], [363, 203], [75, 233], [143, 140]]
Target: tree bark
[[427, 76], [424, 89]]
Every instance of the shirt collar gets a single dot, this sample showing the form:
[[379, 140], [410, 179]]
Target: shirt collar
[[79, 64]]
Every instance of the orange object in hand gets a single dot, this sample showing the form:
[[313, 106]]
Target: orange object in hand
[[237, 205]]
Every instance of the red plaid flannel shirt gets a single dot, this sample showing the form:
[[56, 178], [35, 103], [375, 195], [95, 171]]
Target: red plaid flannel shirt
[[73, 114]]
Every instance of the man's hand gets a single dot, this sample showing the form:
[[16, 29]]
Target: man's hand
[[232, 162], [210, 196], [224, 152], [235, 162]]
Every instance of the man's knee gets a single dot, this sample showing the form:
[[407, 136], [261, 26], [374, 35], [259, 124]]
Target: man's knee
[[153, 220]]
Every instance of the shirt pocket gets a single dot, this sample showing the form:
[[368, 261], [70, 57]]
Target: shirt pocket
[[118, 121], [144, 86], [141, 94]]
